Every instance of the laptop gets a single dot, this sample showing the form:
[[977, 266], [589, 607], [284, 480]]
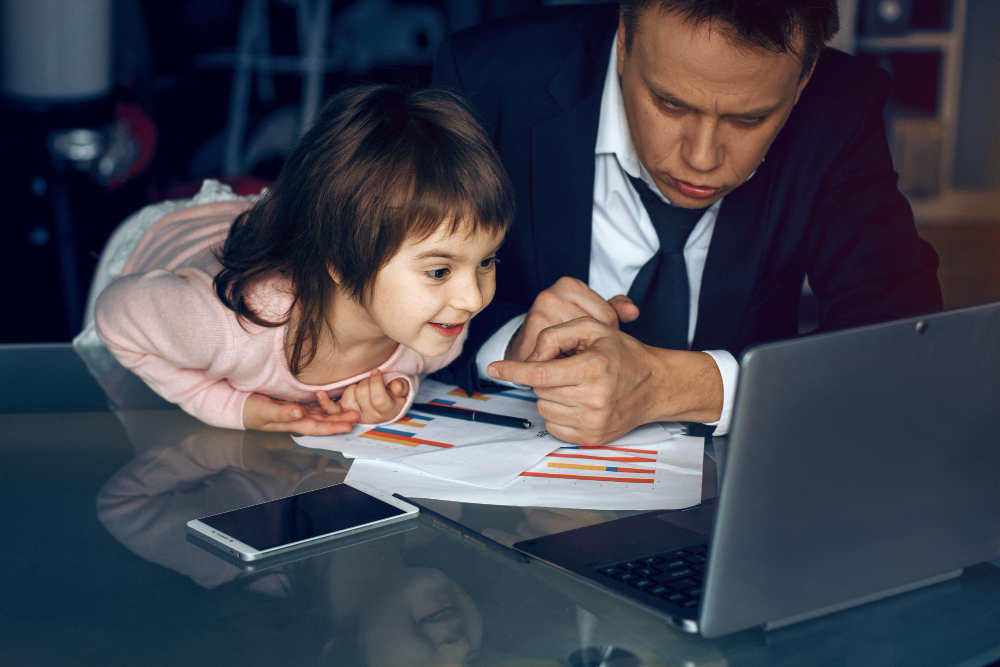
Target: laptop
[[861, 464]]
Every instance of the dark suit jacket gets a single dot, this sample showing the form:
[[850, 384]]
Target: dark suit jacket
[[824, 202]]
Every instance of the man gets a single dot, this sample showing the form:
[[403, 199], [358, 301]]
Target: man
[[701, 157]]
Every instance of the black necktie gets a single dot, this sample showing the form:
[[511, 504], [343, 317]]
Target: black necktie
[[660, 290]]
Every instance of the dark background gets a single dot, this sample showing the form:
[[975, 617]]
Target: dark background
[[169, 102]]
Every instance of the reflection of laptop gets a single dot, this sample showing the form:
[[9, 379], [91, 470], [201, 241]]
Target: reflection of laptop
[[861, 464]]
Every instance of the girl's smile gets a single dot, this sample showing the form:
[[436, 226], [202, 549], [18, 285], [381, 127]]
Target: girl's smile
[[448, 330]]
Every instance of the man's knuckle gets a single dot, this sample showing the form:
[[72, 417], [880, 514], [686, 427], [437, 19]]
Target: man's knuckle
[[546, 300], [566, 282], [607, 314]]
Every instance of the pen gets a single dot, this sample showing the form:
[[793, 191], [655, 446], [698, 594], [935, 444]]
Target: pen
[[472, 415], [466, 534]]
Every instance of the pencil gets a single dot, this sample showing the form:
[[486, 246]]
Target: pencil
[[472, 415]]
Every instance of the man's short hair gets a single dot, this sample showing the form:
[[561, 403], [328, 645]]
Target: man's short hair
[[771, 25]]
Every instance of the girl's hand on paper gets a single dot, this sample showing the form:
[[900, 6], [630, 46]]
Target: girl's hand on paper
[[263, 413], [374, 400]]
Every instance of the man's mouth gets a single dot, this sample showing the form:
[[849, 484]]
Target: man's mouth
[[448, 330], [692, 190]]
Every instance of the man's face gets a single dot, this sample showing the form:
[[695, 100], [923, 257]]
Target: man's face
[[701, 111]]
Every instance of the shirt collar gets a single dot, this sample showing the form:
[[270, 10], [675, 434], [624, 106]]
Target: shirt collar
[[613, 137]]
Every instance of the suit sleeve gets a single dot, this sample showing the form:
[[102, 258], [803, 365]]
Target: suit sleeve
[[866, 261], [171, 330]]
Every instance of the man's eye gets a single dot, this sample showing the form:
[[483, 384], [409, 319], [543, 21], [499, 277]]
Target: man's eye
[[750, 120], [488, 262], [437, 274], [671, 106]]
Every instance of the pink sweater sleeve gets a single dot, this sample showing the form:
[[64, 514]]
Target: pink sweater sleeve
[[171, 330]]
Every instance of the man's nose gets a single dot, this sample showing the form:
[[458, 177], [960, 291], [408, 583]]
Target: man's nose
[[701, 148]]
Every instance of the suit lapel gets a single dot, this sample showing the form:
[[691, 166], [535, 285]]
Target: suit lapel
[[732, 263], [562, 158]]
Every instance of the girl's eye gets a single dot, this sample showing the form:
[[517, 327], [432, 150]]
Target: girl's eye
[[488, 262], [437, 274]]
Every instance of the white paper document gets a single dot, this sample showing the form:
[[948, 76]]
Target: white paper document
[[664, 475], [472, 452], [431, 456]]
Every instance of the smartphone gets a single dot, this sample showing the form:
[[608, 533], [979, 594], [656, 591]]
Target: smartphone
[[305, 519], [311, 550]]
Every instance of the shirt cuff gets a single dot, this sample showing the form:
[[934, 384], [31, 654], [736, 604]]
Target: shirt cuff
[[730, 371], [495, 348]]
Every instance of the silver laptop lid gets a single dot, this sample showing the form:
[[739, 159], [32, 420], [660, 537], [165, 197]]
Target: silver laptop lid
[[859, 461]]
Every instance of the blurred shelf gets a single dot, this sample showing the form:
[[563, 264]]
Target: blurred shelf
[[956, 207], [937, 39]]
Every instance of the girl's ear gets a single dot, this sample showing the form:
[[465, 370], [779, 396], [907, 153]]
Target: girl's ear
[[334, 274]]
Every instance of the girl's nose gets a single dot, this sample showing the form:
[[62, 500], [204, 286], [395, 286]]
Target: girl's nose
[[467, 297]]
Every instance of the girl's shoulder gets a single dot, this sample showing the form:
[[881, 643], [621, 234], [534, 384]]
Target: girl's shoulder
[[271, 297]]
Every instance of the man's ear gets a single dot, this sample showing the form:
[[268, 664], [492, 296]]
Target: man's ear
[[621, 46], [334, 274], [803, 82]]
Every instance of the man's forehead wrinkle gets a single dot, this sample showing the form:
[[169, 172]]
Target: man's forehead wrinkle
[[718, 96], [712, 77]]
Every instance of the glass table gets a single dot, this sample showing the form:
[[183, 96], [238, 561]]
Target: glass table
[[99, 477]]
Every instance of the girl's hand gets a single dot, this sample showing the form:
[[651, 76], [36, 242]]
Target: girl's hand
[[262, 413], [374, 400]]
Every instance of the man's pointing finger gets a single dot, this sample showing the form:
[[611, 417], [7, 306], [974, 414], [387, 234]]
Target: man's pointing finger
[[554, 373]]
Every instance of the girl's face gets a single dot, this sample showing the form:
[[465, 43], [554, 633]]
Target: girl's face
[[427, 293]]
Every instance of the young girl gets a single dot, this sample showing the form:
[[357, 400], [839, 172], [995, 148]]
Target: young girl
[[326, 299]]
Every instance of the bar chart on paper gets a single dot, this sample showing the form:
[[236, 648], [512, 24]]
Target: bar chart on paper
[[417, 432], [650, 468], [433, 456], [612, 464]]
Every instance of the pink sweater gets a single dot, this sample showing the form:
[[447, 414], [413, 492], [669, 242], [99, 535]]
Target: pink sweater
[[163, 320]]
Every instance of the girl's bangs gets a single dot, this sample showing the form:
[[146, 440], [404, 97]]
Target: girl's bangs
[[471, 205]]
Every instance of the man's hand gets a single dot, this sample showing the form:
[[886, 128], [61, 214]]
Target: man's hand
[[262, 413], [612, 383], [567, 300], [373, 399]]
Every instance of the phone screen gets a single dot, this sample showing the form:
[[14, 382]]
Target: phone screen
[[300, 517]]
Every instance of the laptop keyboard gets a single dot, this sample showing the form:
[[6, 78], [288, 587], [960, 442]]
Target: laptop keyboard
[[675, 577]]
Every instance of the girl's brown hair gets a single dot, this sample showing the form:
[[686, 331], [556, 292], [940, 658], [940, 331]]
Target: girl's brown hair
[[380, 166]]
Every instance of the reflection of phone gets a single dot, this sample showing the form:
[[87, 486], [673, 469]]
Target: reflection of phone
[[305, 519]]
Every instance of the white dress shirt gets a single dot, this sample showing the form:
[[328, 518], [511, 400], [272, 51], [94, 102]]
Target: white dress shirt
[[623, 238]]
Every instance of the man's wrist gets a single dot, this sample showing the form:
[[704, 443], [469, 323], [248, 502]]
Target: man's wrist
[[688, 387]]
